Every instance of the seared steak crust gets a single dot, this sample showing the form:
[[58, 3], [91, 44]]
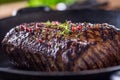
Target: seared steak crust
[[51, 46]]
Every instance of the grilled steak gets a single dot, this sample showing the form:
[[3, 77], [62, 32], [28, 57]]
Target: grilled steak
[[55, 46]]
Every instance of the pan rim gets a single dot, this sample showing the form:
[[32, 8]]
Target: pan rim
[[39, 73]]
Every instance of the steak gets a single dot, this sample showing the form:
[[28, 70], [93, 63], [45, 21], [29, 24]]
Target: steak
[[55, 46]]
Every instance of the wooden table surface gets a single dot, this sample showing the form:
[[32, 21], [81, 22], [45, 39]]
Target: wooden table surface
[[7, 10]]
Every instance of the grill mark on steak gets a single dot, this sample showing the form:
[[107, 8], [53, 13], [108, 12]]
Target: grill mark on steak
[[102, 56], [94, 66], [107, 61], [35, 62], [102, 50], [92, 56], [19, 52], [117, 49], [38, 62], [25, 54], [86, 64], [59, 59], [88, 61], [31, 60], [111, 51], [100, 62], [21, 57], [80, 65], [40, 57], [51, 63], [96, 59]]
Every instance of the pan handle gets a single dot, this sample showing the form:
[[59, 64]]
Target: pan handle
[[31, 10]]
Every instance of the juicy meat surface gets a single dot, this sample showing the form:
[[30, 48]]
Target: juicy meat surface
[[55, 46]]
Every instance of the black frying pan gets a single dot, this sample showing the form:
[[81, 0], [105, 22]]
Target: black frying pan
[[94, 16]]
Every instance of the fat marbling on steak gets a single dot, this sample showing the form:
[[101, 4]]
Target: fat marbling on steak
[[55, 46]]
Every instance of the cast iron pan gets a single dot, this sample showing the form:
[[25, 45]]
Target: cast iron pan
[[8, 71]]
